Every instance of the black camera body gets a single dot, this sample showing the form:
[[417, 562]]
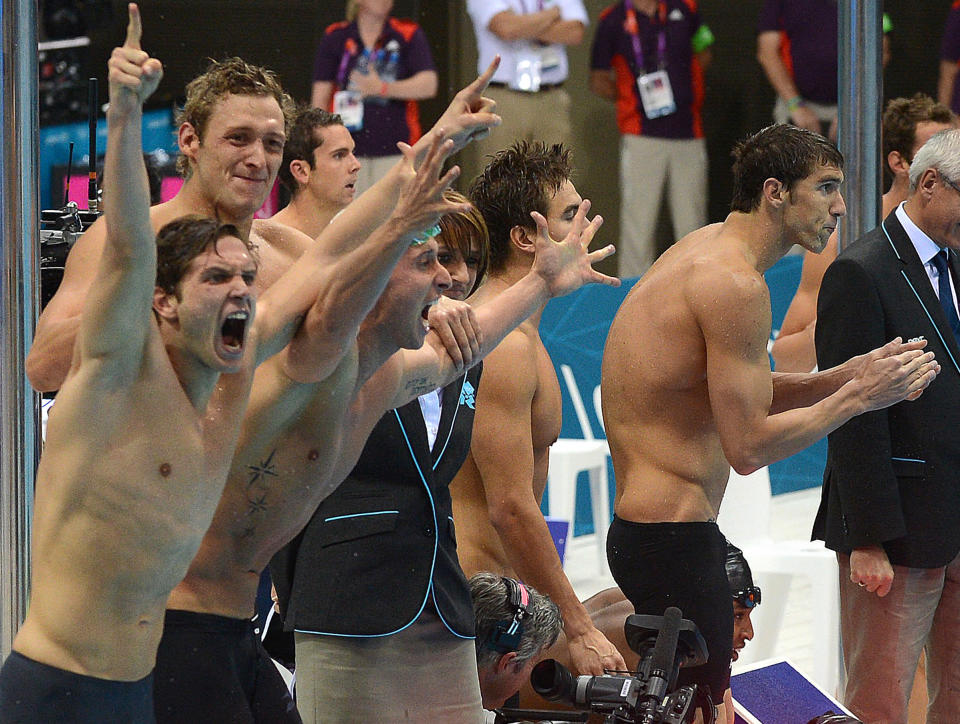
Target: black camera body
[[59, 231], [665, 644]]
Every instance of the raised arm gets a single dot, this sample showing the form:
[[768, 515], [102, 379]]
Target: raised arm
[[559, 268], [740, 382], [469, 116], [502, 431], [48, 361], [116, 317], [356, 279], [344, 270]]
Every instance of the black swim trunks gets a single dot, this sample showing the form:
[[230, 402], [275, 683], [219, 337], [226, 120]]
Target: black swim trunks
[[31, 692], [214, 669], [658, 565]]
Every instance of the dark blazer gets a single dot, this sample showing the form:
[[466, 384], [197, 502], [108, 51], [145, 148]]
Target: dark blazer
[[382, 547], [892, 476]]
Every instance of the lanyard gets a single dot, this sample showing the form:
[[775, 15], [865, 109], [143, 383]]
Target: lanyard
[[349, 50], [632, 27]]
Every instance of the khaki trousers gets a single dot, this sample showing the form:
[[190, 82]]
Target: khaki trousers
[[647, 167], [422, 674], [372, 169], [542, 116], [883, 638]]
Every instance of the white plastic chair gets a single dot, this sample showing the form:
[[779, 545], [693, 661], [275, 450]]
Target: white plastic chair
[[568, 458], [744, 518]]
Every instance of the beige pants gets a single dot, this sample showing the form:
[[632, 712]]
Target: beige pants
[[647, 167], [422, 674], [883, 638], [543, 116], [372, 169]]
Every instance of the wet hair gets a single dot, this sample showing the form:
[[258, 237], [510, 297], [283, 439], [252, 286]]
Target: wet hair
[[941, 152], [183, 240], [233, 76], [491, 604], [302, 139], [781, 151], [519, 179], [460, 230], [738, 572], [901, 118]]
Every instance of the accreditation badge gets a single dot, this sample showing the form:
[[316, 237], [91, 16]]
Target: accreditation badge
[[528, 71], [656, 94], [349, 105], [549, 58]]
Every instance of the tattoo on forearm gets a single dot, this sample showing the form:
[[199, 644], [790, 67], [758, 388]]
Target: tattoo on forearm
[[419, 385]]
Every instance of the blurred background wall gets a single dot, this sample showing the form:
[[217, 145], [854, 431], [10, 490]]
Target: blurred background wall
[[282, 34]]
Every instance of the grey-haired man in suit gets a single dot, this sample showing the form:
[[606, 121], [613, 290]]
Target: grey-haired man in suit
[[891, 491]]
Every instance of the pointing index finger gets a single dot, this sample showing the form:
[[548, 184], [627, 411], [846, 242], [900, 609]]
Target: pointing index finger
[[134, 28], [483, 80]]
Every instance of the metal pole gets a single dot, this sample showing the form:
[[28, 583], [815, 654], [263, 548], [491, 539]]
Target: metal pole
[[860, 96], [860, 87], [19, 229]]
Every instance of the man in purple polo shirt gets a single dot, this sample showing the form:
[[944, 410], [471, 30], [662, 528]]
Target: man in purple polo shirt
[[372, 69], [648, 57], [947, 91], [797, 47]]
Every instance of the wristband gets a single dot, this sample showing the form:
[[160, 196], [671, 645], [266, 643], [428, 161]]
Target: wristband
[[794, 103], [383, 89]]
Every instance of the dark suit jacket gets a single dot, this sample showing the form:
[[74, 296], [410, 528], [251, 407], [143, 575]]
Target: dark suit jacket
[[892, 476], [382, 547]]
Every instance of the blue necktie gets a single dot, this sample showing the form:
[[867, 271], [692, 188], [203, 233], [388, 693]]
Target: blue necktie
[[946, 296]]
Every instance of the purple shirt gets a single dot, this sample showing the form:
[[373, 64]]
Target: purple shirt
[[811, 30], [384, 123], [950, 51], [613, 47]]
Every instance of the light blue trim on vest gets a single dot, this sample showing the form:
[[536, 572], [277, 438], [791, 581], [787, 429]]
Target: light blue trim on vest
[[452, 423], [917, 295], [360, 515], [436, 541]]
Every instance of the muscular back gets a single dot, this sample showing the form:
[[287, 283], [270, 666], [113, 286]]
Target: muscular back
[[665, 445]]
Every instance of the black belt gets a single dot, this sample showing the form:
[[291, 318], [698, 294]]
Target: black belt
[[543, 86]]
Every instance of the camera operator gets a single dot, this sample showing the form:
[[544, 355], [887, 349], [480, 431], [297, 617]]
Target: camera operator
[[515, 625], [609, 609]]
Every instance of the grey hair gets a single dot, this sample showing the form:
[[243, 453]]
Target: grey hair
[[941, 152], [491, 604]]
